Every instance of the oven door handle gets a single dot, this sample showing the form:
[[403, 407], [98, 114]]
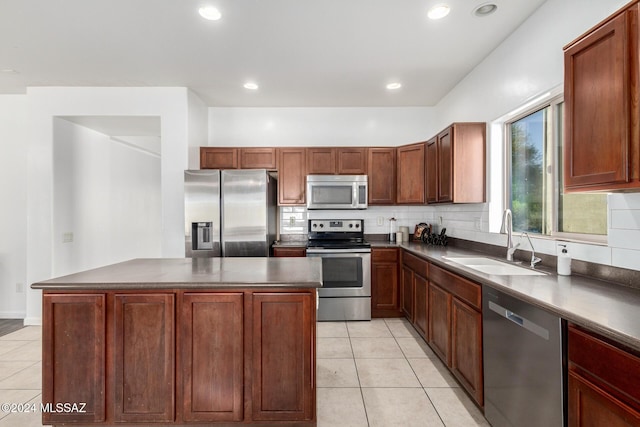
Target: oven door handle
[[337, 251]]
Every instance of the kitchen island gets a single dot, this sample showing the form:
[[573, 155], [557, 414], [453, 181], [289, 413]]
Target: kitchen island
[[182, 341]]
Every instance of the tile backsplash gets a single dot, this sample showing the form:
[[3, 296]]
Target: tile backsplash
[[471, 222]]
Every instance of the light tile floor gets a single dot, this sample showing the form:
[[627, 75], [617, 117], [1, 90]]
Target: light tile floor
[[381, 373], [378, 373]]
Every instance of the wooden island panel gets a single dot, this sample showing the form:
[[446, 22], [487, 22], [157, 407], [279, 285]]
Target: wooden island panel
[[212, 358], [74, 325]]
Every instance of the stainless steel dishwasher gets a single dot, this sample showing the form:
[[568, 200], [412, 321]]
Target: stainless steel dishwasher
[[524, 382]]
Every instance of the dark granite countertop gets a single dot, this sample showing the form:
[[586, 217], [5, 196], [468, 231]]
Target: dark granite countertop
[[607, 308], [194, 273]]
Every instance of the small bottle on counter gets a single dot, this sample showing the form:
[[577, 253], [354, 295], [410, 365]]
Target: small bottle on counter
[[564, 261], [392, 230]]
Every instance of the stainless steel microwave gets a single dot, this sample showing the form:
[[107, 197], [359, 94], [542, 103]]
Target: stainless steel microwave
[[336, 191]]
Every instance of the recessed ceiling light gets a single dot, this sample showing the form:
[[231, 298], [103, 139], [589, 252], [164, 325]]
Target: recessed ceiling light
[[210, 13], [438, 11], [485, 9], [394, 86], [250, 86]]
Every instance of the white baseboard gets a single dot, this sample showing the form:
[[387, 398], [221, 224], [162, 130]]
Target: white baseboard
[[12, 314], [33, 321]]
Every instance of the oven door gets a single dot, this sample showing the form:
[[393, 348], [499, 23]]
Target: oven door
[[345, 273]]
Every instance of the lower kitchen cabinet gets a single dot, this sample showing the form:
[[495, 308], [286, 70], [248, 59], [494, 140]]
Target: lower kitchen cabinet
[[420, 308], [74, 324], [212, 358], [414, 291], [446, 309], [144, 357], [439, 336], [602, 382], [181, 357], [466, 348], [385, 286], [283, 370]]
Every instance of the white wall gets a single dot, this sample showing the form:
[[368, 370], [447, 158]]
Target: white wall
[[13, 214], [107, 194], [320, 126], [527, 64], [44, 104], [198, 128]]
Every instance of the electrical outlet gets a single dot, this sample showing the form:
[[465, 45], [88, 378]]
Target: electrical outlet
[[292, 221], [439, 220], [478, 224], [67, 237], [19, 288], [380, 221]]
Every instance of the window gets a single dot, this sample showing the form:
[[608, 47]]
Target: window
[[535, 194]]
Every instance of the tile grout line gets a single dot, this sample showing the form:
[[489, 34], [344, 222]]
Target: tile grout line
[[414, 373], [364, 406]]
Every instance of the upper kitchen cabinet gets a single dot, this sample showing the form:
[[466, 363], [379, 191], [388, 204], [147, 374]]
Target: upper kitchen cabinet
[[258, 158], [338, 160], [292, 176], [234, 158], [602, 139], [455, 159], [381, 169], [321, 160], [410, 183], [218, 158], [352, 161]]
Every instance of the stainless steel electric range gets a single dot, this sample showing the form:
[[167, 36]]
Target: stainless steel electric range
[[346, 268]]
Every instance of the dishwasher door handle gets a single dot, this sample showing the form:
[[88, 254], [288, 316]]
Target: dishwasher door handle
[[519, 320]]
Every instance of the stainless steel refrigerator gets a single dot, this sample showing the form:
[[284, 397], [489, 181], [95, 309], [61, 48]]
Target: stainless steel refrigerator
[[229, 213]]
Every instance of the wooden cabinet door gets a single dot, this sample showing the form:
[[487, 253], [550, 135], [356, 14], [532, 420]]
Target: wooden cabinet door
[[407, 293], [292, 176], [410, 187], [73, 361], [283, 374], [144, 358], [432, 170], [211, 349], [421, 304], [385, 290], [289, 252], [321, 160], [381, 171], [439, 326], [589, 405], [445, 166], [351, 161], [218, 158], [258, 158], [466, 348], [601, 105]]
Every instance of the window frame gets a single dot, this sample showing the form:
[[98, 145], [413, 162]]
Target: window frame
[[552, 173]]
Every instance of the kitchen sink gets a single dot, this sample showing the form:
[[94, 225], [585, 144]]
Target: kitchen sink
[[495, 267]]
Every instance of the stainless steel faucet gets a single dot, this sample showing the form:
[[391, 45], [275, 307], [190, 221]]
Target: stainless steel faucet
[[534, 258], [507, 227]]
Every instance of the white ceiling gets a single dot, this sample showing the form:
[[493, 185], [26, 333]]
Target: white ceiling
[[305, 53]]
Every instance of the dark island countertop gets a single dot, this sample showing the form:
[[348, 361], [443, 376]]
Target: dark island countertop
[[194, 273], [610, 309]]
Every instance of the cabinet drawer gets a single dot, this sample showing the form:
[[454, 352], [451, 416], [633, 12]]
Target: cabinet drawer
[[462, 288], [614, 369], [418, 265], [384, 255]]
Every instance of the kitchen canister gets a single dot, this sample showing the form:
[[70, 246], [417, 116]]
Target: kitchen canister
[[399, 237], [405, 233], [564, 261]]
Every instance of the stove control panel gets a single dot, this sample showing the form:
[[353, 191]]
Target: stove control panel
[[339, 225]]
